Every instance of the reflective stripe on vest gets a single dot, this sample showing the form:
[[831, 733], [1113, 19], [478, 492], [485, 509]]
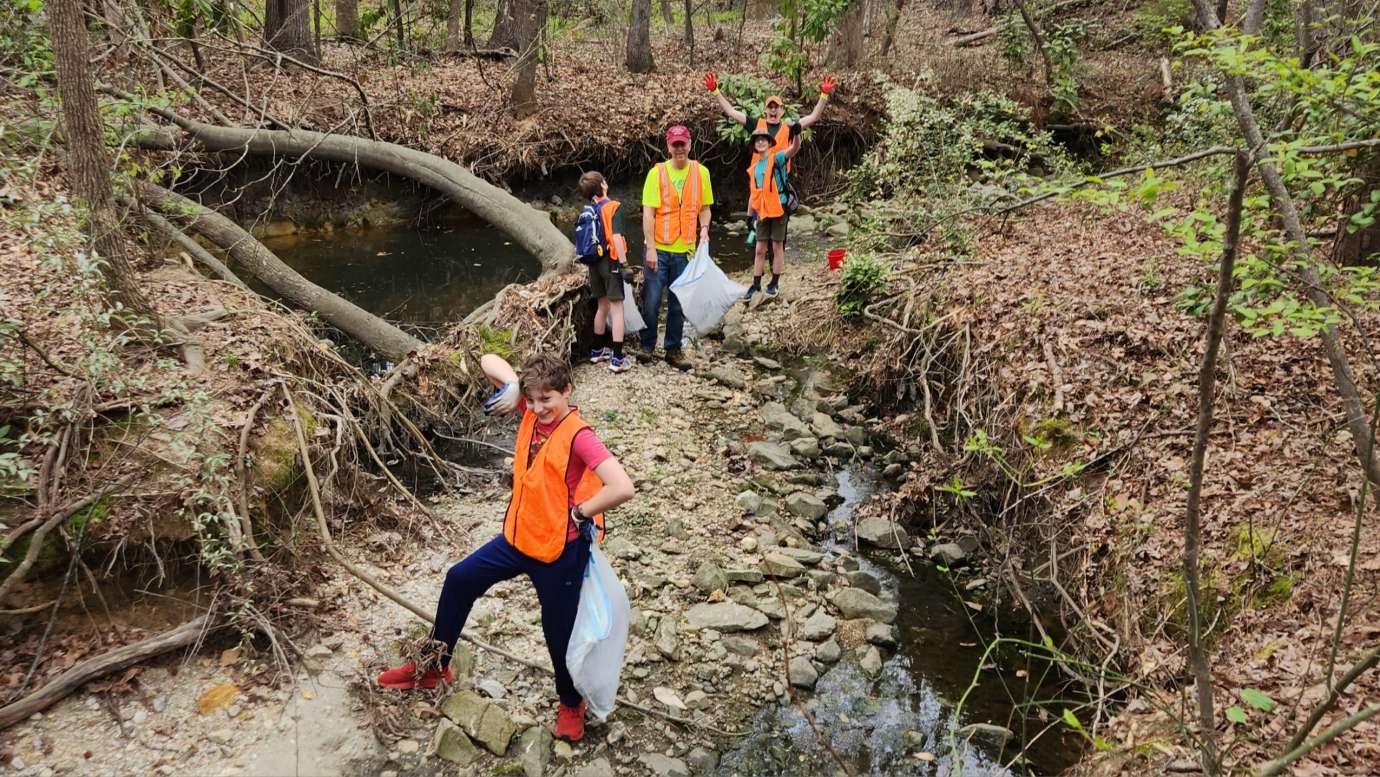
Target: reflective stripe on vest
[[781, 140], [765, 200], [618, 247], [538, 517], [678, 215]]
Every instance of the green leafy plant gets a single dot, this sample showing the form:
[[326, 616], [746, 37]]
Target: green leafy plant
[[863, 276]]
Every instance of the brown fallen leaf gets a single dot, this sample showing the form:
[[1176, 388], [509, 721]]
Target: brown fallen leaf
[[216, 697], [230, 656]]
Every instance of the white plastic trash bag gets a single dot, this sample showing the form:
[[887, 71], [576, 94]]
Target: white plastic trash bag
[[632, 317], [705, 293], [600, 637]]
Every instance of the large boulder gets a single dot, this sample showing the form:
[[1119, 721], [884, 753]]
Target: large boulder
[[772, 455], [881, 532], [857, 603], [724, 617], [782, 566]]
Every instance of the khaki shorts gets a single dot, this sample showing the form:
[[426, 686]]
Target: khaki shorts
[[772, 229], [606, 280]]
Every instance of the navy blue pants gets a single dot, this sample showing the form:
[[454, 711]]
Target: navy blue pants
[[655, 285], [558, 591]]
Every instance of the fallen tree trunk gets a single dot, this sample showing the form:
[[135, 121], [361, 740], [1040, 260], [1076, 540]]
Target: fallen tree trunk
[[247, 252], [187, 634], [529, 227]]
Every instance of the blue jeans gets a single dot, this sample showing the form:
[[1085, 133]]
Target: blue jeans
[[669, 266], [558, 592]]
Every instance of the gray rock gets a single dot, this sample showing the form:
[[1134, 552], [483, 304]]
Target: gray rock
[[667, 638], [725, 617], [534, 751], [664, 766], [826, 428], [948, 553], [730, 376], [856, 436], [997, 735], [776, 416], [893, 471], [881, 635], [838, 450], [803, 223], [451, 744], [871, 662], [857, 603], [748, 576], [781, 565], [710, 578], [878, 531], [829, 651], [750, 502], [806, 447], [486, 723], [823, 578], [802, 673], [620, 547], [803, 555], [839, 229], [599, 767], [767, 364], [465, 709], [702, 761], [772, 455], [741, 646], [864, 580], [819, 626], [771, 606], [806, 505], [804, 408]]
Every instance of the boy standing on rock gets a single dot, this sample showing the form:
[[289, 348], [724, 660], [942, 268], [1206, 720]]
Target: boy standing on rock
[[563, 481], [600, 245]]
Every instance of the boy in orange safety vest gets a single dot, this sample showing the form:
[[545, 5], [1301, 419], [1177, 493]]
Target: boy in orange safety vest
[[767, 182], [606, 273], [564, 479]]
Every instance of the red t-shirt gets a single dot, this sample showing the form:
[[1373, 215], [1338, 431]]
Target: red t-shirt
[[587, 452]]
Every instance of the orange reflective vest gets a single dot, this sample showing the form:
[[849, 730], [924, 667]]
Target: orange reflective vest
[[781, 141], [538, 517], [678, 216], [765, 200], [618, 247]]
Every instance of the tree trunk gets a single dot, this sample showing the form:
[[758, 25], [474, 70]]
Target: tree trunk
[[248, 253], [287, 28], [469, 23], [347, 19], [666, 13], [453, 17], [690, 32], [531, 22], [398, 25], [639, 55], [88, 163], [846, 46], [505, 33], [529, 227], [893, 16]]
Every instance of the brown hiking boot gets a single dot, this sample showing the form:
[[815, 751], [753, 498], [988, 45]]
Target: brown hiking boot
[[676, 358]]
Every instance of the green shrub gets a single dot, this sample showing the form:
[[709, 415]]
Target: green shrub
[[863, 276]]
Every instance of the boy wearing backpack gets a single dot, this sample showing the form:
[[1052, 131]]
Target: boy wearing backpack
[[599, 244], [563, 481], [771, 202]]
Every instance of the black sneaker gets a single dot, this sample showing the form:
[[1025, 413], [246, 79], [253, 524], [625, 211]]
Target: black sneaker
[[771, 289], [751, 292]]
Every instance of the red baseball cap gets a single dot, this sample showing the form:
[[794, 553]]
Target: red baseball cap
[[678, 134]]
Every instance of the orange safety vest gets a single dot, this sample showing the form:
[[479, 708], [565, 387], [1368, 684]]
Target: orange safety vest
[[538, 517], [781, 142], [765, 200], [678, 215], [618, 247]]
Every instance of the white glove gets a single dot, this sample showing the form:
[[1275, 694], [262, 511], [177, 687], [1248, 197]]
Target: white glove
[[503, 401]]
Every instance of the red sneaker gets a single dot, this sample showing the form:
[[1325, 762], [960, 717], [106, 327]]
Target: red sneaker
[[406, 677], [570, 722]]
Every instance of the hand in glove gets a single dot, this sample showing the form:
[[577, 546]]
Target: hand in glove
[[826, 87], [711, 82], [503, 401]]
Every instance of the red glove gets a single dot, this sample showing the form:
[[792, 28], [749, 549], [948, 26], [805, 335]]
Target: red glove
[[826, 87], [711, 82]]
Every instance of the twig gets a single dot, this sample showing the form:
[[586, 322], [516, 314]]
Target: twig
[[242, 493], [1330, 733], [1367, 661]]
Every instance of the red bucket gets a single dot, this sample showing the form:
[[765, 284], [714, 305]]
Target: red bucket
[[836, 258]]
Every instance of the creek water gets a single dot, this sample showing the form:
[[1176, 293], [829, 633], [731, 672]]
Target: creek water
[[905, 720], [428, 277]]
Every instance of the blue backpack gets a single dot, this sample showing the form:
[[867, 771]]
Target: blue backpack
[[589, 238]]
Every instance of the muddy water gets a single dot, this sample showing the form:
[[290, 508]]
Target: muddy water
[[905, 721], [429, 277]]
